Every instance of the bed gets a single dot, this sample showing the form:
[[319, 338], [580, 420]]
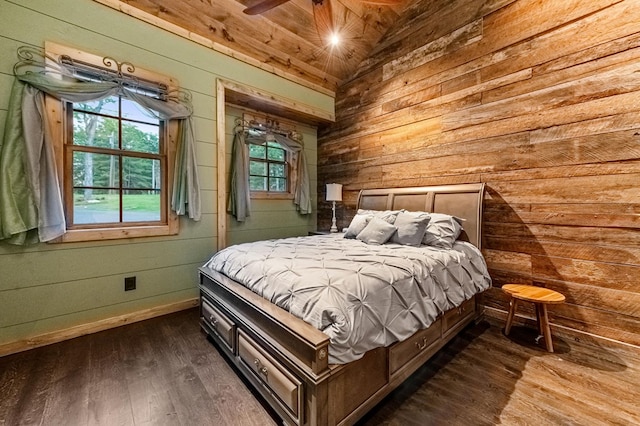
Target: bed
[[291, 363]]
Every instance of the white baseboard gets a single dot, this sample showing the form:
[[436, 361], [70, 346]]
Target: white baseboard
[[94, 327]]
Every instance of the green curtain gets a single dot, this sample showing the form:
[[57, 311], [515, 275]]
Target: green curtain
[[31, 207]]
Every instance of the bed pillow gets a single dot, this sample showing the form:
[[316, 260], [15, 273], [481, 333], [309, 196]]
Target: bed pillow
[[358, 223], [386, 215], [411, 227], [442, 230], [377, 231]]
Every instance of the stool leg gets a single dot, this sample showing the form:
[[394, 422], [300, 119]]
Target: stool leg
[[538, 307], [544, 325], [512, 310]]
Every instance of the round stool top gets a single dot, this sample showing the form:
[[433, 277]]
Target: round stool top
[[533, 293]]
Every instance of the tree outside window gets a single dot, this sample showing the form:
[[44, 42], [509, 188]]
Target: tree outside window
[[268, 168]]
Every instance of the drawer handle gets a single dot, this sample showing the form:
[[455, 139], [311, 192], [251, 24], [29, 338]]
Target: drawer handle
[[424, 344], [261, 368], [214, 321]]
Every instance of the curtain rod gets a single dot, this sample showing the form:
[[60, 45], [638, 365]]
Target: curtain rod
[[89, 71], [254, 125], [33, 59]]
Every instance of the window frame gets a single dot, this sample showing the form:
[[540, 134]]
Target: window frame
[[61, 122]]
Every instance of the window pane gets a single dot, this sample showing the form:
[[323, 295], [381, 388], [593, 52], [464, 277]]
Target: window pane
[[277, 185], [257, 168], [257, 183], [140, 137], [133, 111], [102, 206], [277, 170], [140, 206], [257, 151], [107, 106], [276, 154], [93, 130], [140, 173], [96, 170]]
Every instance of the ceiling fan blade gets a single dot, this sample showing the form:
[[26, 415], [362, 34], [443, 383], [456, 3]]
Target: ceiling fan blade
[[323, 17], [263, 6]]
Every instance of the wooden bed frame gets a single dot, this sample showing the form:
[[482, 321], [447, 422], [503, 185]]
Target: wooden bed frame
[[286, 359]]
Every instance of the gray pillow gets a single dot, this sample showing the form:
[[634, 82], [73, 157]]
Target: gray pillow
[[442, 230], [386, 215], [411, 227], [357, 224], [378, 231]]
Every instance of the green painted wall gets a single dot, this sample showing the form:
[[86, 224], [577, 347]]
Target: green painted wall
[[49, 287], [273, 218]]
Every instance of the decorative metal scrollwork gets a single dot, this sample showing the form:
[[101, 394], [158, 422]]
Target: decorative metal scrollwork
[[109, 61], [32, 59]]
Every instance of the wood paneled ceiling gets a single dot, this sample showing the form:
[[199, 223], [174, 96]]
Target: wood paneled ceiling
[[283, 40]]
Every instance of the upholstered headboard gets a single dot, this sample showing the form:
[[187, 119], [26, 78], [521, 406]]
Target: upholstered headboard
[[463, 201]]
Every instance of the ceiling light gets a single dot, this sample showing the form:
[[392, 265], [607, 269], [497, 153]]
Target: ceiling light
[[334, 39]]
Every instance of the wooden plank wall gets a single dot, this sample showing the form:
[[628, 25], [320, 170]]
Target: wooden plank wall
[[540, 99]]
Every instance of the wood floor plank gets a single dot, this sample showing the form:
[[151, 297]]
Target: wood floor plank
[[147, 390], [165, 372], [67, 394], [184, 387], [22, 379]]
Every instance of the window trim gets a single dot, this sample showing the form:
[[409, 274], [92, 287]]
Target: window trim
[[57, 117]]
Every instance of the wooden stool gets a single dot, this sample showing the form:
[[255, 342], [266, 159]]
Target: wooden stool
[[540, 296]]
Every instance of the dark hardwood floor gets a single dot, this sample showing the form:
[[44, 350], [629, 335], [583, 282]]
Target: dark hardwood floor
[[164, 371]]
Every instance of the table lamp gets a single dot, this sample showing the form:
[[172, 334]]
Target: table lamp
[[334, 193]]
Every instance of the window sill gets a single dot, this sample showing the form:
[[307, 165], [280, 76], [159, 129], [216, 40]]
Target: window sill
[[271, 196], [103, 234]]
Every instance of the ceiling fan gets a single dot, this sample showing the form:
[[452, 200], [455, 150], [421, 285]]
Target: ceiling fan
[[322, 14]]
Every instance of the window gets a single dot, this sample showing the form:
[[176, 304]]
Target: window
[[268, 168], [115, 162], [116, 158]]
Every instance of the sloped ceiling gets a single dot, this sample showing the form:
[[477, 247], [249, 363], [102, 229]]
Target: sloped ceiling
[[284, 39]]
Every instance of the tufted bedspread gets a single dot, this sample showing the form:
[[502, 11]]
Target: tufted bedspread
[[362, 296]]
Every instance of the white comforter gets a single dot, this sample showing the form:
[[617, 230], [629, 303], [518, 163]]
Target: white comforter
[[362, 296]]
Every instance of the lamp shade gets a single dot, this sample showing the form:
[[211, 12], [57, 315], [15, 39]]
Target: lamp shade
[[334, 192]]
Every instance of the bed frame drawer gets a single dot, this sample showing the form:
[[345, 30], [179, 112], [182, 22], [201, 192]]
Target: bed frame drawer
[[219, 323], [454, 316], [279, 380], [401, 352]]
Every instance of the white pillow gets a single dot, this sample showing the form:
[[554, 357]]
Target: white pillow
[[358, 223], [442, 230], [411, 227], [387, 215], [378, 232]]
